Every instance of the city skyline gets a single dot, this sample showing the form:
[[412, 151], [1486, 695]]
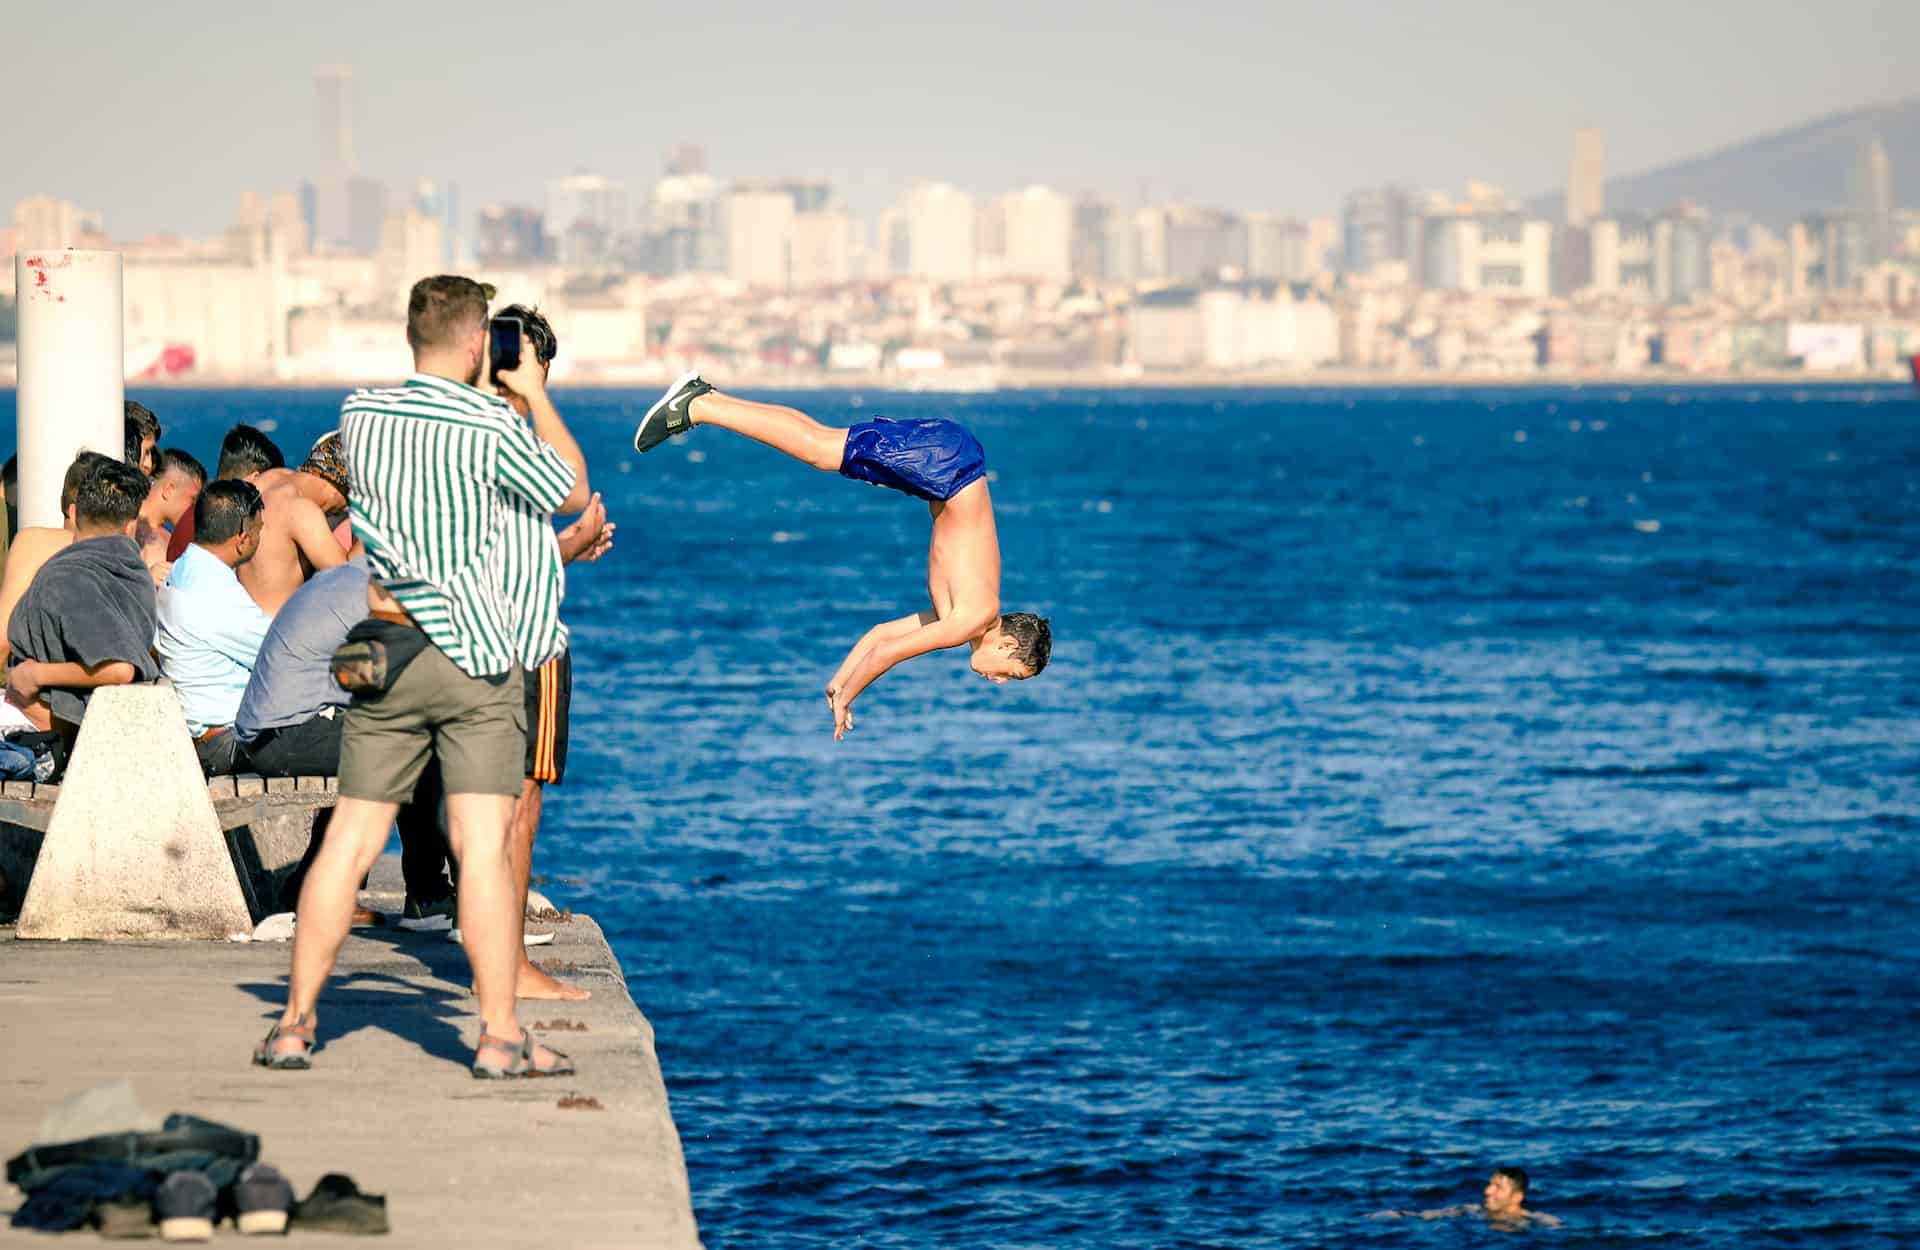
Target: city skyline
[[1106, 109]]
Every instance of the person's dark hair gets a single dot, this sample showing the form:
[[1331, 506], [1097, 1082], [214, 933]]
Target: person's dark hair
[[245, 451], [173, 460], [141, 425], [546, 345], [110, 495], [223, 510], [1517, 1175], [83, 464], [1032, 638], [441, 308]]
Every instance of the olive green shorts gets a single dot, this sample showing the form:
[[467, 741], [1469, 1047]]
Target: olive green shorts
[[475, 726]]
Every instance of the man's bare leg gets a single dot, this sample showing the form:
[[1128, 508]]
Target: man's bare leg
[[353, 840], [784, 429], [533, 983], [477, 827]]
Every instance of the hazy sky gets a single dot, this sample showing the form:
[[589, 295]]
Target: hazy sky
[[159, 115]]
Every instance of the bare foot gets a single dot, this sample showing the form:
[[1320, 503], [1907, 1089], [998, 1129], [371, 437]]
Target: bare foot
[[533, 983]]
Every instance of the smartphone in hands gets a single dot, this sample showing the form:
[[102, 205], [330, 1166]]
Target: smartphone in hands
[[503, 345]]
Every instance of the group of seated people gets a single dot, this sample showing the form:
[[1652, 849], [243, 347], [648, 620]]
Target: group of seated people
[[238, 590]]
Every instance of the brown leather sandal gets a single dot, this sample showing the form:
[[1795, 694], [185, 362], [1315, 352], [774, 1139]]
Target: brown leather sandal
[[521, 1065], [302, 1031]]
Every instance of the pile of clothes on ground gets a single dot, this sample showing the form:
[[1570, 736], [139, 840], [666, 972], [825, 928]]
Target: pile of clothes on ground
[[101, 1163]]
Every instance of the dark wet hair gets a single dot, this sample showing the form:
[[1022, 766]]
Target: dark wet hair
[[110, 495], [173, 460], [1032, 638], [140, 426], [1517, 1175], [441, 308], [245, 451], [83, 464], [539, 332], [223, 510]]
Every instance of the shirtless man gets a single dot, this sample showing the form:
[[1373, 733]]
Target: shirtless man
[[938, 461], [31, 546], [1503, 1202], [176, 484], [297, 540]]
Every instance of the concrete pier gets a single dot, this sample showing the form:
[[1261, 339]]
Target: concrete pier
[[388, 1101]]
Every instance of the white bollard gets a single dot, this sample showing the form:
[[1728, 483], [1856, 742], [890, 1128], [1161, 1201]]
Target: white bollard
[[71, 389]]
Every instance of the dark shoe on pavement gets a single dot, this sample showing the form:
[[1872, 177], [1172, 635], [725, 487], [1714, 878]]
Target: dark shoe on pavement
[[262, 1198], [671, 414], [432, 917], [336, 1205], [184, 1207]]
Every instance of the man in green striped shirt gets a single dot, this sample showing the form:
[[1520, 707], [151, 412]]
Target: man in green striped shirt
[[453, 495]]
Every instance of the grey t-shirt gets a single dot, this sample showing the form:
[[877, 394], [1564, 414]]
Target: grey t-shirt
[[293, 681]]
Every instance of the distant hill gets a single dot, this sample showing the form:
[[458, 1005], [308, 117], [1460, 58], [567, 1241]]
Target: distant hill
[[1779, 177]]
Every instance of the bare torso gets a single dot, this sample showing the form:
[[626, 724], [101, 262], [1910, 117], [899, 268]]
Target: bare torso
[[963, 558], [294, 541]]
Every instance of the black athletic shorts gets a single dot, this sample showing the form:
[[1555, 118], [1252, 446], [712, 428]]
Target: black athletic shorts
[[549, 703]]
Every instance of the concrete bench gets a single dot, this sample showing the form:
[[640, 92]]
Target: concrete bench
[[135, 844]]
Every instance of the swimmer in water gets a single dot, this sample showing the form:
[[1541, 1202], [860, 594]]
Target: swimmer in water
[[1503, 1203]]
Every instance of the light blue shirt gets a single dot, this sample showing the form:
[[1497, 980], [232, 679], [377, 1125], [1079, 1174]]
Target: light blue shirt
[[210, 636]]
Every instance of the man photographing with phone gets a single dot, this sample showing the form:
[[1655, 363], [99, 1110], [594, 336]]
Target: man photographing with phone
[[446, 483]]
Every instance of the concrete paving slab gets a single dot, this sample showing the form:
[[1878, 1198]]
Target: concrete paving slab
[[389, 1099]]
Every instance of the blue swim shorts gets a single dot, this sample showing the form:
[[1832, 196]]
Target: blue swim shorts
[[933, 460]]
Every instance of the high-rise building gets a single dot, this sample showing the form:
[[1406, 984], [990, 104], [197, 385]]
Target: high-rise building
[[585, 213], [939, 221], [1200, 243], [760, 236], [509, 235], [1496, 253], [441, 201], [1586, 178], [1092, 227], [1873, 200], [684, 223], [1038, 242], [333, 112], [412, 246], [1278, 247], [686, 158], [823, 247], [1379, 226]]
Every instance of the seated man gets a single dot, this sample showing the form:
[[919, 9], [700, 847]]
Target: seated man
[[31, 546], [143, 435], [210, 630], [87, 620], [289, 722], [938, 461], [176, 484], [246, 455], [298, 538]]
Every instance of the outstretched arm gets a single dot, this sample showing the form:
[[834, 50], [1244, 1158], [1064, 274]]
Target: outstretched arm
[[933, 635], [883, 632]]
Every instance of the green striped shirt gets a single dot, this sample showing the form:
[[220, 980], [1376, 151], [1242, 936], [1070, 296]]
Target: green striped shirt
[[454, 495]]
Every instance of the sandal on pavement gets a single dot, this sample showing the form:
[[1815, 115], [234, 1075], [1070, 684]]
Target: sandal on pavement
[[522, 1064], [300, 1060]]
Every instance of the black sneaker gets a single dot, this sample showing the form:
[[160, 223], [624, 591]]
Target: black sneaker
[[184, 1206], [433, 917], [262, 1198], [336, 1205], [670, 413]]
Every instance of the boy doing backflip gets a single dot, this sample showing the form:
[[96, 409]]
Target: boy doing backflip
[[938, 461]]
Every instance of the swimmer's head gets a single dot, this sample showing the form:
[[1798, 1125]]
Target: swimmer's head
[[1506, 1190], [1015, 648]]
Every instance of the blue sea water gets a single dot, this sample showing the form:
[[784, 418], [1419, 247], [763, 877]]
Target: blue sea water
[[1424, 781]]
